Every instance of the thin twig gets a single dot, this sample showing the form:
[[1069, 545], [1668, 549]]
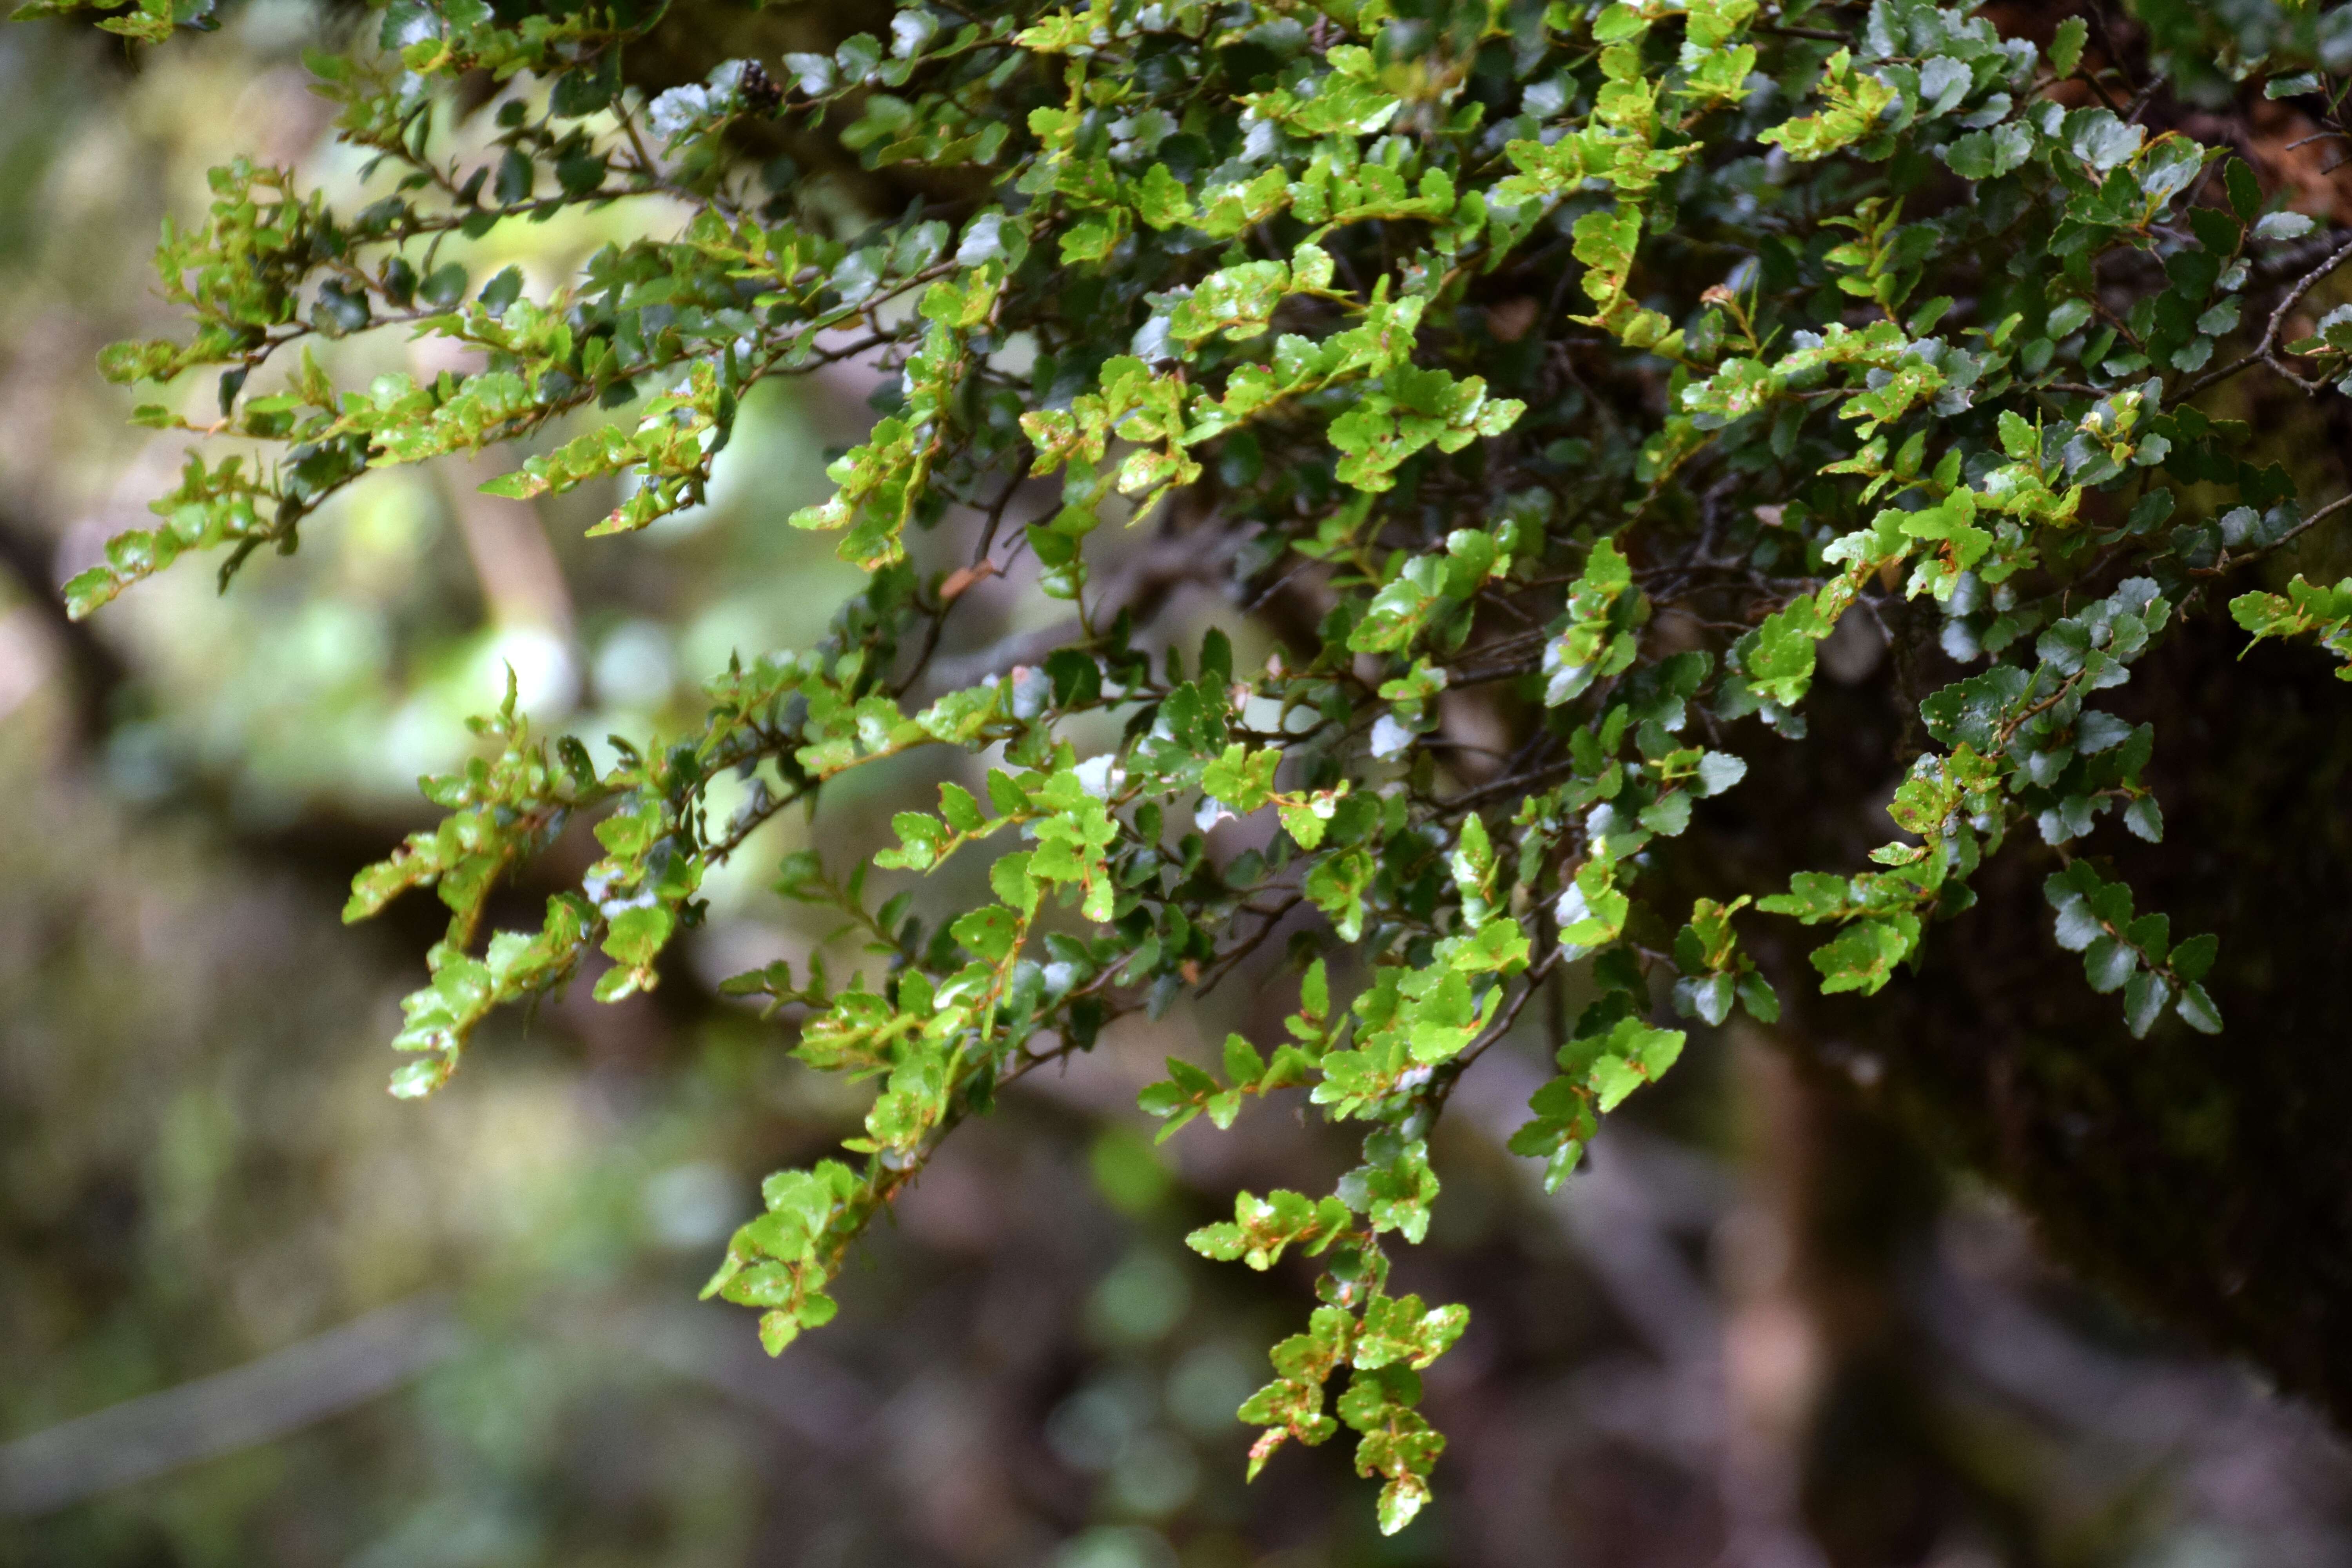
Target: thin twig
[[2266, 351], [2231, 563], [1470, 800], [1443, 1082], [939, 619], [1232, 958], [2107, 47]]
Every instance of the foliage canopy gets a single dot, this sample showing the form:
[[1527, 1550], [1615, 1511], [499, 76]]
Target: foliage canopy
[[1584, 366]]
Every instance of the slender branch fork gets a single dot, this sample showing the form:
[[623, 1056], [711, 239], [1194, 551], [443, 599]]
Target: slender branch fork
[[2231, 563], [1442, 1086], [2266, 351]]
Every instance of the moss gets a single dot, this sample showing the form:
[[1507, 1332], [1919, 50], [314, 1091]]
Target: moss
[[2208, 1182]]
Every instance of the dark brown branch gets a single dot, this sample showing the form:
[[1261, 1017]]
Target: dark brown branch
[[2266, 351]]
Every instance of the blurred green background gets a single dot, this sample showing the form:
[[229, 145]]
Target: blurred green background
[[255, 1311]]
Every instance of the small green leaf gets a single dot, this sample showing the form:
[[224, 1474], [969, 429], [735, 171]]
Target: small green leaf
[[961, 811], [2066, 46]]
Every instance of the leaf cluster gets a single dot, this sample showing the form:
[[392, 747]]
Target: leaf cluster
[[1588, 365]]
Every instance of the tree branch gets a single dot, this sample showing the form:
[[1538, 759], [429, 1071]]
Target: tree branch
[[2266, 351]]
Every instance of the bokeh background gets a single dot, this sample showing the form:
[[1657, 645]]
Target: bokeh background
[[253, 1311]]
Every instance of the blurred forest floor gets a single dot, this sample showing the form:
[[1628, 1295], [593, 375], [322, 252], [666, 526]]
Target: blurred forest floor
[[256, 1312]]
